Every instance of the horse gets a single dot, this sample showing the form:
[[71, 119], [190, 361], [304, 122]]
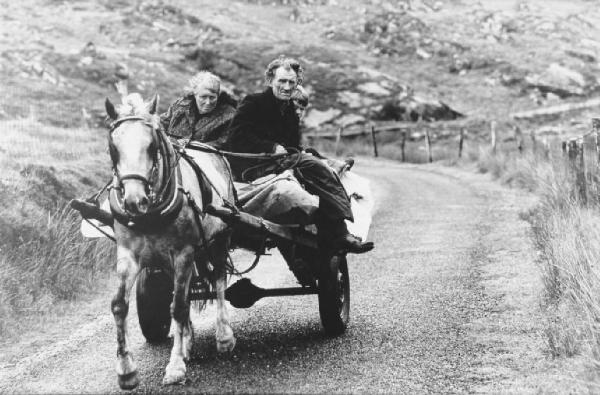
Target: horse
[[157, 201]]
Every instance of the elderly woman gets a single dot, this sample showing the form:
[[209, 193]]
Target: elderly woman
[[203, 113]]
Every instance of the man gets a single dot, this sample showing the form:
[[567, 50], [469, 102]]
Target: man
[[267, 122], [203, 113]]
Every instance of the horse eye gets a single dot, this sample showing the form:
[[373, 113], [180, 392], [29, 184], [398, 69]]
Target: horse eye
[[152, 148]]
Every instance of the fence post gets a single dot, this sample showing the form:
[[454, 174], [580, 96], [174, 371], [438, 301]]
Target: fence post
[[519, 138], [592, 167], [581, 181], [403, 144], [577, 164], [493, 136], [596, 128], [428, 145], [533, 142], [461, 142], [374, 141], [546, 145], [337, 139]]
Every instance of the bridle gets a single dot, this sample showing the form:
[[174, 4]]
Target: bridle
[[162, 186], [119, 178]]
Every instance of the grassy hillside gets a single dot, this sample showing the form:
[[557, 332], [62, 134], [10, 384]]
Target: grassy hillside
[[485, 59]]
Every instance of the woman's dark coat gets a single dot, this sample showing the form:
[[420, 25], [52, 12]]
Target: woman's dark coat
[[182, 120]]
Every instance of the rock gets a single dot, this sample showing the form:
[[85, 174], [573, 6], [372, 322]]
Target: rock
[[552, 98], [89, 49], [583, 54], [412, 108], [374, 89], [349, 119], [316, 118], [372, 73], [422, 53], [590, 43], [559, 80], [121, 71], [85, 61], [354, 99], [461, 63]]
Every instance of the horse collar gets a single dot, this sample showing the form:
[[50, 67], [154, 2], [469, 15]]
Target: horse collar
[[158, 215]]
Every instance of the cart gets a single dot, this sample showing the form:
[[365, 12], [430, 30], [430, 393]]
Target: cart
[[318, 270]]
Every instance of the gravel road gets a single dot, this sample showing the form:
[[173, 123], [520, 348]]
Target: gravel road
[[427, 311]]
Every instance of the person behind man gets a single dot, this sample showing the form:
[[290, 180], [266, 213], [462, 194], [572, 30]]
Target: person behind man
[[203, 113], [267, 122], [300, 99]]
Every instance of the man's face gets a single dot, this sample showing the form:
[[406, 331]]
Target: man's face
[[206, 99], [283, 84]]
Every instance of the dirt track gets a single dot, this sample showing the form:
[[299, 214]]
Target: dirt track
[[447, 302]]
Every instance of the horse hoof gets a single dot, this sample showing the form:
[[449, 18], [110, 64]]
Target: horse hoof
[[226, 345], [128, 381], [174, 374]]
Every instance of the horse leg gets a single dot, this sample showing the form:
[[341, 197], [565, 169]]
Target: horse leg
[[224, 333], [180, 313], [127, 270]]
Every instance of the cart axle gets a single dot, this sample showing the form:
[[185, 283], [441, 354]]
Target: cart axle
[[244, 294]]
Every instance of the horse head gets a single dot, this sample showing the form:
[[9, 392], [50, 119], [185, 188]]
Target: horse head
[[134, 144]]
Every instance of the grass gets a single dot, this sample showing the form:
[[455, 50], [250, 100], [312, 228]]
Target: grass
[[567, 234], [43, 257], [59, 266]]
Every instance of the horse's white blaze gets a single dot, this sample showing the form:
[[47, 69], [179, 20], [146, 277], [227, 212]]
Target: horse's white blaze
[[133, 141]]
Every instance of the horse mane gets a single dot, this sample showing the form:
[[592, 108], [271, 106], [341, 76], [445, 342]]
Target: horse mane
[[132, 104]]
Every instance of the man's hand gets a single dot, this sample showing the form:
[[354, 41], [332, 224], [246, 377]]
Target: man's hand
[[280, 149]]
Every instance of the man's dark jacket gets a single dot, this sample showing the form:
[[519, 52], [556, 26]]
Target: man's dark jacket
[[261, 122]]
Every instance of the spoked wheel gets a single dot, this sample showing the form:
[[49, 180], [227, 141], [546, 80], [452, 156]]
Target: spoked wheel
[[334, 295], [154, 293]]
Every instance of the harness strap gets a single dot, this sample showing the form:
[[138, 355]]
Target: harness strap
[[206, 186], [134, 176], [158, 216]]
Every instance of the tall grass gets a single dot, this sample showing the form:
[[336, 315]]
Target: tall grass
[[60, 265], [43, 257], [567, 234]]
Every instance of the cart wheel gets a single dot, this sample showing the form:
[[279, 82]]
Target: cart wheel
[[154, 293], [334, 296]]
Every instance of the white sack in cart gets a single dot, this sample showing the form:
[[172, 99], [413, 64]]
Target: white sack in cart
[[359, 190], [92, 228]]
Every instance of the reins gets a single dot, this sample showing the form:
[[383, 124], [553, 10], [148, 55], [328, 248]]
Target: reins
[[267, 157]]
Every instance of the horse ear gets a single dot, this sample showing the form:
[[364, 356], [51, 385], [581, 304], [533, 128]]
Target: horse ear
[[153, 105], [110, 109]]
